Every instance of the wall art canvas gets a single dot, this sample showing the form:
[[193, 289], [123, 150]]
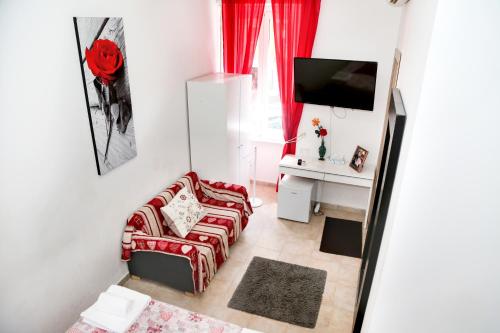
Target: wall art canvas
[[103, 60]]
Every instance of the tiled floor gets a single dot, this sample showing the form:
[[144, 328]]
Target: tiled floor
[[270, 237]]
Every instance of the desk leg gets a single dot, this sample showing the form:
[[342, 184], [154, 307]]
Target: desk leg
[[319, 192]]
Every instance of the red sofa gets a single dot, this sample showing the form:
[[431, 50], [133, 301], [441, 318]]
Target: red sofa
[[153, 251]]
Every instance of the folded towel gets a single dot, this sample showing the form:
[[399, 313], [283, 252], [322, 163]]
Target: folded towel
[[113, 323], [114, 305]]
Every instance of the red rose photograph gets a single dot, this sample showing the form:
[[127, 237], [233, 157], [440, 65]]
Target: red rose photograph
[[103, 62]]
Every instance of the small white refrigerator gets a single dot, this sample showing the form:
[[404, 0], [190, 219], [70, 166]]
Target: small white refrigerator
[[295, 198]]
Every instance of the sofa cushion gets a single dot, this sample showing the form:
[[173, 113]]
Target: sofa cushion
[[226, 210], [191, 181], [212, 239], [227, 193], [183, 212], [225, 225]]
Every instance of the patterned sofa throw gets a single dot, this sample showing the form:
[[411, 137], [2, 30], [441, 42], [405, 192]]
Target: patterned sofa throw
[[183, 212], [206, 246]]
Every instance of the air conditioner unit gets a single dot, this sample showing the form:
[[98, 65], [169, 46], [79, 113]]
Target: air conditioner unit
[[398, 2]]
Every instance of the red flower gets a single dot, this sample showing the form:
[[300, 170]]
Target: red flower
[[323, 132], [104, 60]]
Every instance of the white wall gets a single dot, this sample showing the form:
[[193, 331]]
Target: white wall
[[357, 30], [61, 222], [417, 23], [440, 268], [268, 159], [347, 29]]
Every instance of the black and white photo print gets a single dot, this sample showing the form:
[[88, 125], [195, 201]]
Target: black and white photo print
[[103, 60]]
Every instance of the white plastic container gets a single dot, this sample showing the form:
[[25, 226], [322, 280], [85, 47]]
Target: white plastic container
[[295, 198]]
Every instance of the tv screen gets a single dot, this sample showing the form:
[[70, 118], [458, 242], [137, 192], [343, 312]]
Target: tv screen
[[342, 83]]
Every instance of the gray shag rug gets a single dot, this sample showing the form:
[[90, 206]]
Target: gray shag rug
[[281, 291]]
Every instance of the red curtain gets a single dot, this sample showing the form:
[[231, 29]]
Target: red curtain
[[241, 20], [295, 23]]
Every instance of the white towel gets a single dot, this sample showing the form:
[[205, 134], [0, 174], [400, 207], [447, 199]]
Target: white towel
[[114, 305], [113, 323]]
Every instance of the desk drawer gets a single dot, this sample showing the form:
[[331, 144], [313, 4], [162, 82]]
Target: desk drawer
[[348, 180], [302, 173]]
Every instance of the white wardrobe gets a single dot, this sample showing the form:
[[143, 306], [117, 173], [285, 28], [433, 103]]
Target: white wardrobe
[[219, 125]]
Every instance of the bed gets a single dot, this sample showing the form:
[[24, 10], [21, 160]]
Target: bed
[[165, 318]]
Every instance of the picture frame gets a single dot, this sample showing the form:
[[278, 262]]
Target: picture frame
[[104, 68], [358, 159]]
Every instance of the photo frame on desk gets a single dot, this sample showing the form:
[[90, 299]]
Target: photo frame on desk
[[358, 159]]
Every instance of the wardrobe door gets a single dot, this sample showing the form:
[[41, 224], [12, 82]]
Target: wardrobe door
[[232, 105], [207, 127], [245, 145]]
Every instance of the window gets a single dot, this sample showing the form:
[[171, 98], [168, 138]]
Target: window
[[266, 105]]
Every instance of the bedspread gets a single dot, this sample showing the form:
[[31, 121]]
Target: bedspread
[[162, 317]]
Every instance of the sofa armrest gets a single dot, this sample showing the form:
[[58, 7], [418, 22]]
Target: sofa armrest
[[139, 241], [173, 271], [227, 192]]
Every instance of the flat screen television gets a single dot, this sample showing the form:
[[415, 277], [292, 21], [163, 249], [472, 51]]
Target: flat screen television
[[342, 83]]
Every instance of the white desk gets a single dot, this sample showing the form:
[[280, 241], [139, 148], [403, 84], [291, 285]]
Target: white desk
[[329, 172]]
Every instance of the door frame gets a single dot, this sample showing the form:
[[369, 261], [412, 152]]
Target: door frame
[[396, 120], [396, 63]]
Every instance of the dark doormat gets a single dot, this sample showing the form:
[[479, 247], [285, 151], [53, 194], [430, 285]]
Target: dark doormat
[[281, 291], [342, 237]]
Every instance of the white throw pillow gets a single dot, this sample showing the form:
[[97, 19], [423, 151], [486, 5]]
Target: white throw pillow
[[183, 212]]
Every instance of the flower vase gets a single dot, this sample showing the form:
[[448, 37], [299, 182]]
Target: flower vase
[[322, 150]]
